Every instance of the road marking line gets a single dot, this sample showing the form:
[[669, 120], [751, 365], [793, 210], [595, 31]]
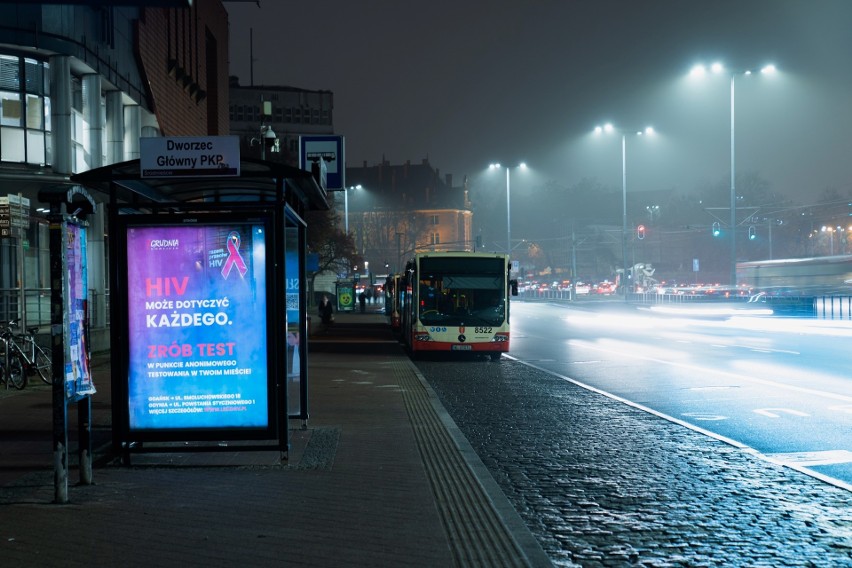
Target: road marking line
[[807, 459], [768, 412], [704, 417]]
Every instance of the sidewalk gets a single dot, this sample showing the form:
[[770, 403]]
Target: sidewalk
[[380, 477]]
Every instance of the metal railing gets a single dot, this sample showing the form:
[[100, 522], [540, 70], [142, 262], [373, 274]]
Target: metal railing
[[35, 309], [833, 307]]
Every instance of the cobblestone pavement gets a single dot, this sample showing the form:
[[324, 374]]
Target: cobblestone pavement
[[600, 483]]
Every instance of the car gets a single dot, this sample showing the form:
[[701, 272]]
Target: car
[[606, 288], [582, 288]]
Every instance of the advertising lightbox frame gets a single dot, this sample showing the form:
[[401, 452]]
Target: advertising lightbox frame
[[196, 365]]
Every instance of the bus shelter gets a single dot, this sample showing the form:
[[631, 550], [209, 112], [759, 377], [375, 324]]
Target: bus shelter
[[208, 323]]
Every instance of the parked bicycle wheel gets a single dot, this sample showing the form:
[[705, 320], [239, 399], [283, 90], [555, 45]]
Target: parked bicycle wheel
[[43, 364], [15, 372]]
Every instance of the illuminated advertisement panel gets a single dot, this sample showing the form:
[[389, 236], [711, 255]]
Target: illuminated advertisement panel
[[197, 326]]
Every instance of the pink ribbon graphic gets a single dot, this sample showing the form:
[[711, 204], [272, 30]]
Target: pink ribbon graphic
[[234, 257]]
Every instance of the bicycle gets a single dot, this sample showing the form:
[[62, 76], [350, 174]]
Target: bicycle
[[33, 359], [11, 371]]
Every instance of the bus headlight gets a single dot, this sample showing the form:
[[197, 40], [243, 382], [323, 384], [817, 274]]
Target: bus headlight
[[501, 337]]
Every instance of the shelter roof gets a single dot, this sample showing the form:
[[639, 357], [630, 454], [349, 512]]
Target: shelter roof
[[260, 181]]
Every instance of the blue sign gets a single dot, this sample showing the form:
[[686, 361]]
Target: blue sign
[[324, 157]]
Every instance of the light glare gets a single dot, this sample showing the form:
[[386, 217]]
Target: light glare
[[698, 71]]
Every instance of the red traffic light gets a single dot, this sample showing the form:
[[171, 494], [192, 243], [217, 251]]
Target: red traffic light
[[640, 232]]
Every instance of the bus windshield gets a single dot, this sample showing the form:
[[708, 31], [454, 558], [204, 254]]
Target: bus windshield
[[459, 299]]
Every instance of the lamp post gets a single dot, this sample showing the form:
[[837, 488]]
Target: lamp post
[[831, 231], [267, 135], [346, 206], [609, 128], [717, 68], [496, 166]]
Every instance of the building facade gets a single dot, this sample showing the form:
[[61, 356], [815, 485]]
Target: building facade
[[292, 113], [397, 210], [79, 85]]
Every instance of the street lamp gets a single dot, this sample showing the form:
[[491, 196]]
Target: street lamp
[[496, 166], [718, 68], [831, 231], [346, 206], [609, 129]]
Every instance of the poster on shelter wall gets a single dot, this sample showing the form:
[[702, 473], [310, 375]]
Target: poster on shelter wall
[[294, 336], [78, 378], [197, 322]]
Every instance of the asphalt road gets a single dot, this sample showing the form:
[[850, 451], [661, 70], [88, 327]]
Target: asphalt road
[[778, 385], [601, 480]]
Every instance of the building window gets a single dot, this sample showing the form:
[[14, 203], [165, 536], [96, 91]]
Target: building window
[[24, 110], [10, 109], [10, 72], [436, 239], [34, 73], [433, 220]]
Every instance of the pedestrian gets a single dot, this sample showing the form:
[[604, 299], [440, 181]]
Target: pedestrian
[[362, 299], [326, 314]]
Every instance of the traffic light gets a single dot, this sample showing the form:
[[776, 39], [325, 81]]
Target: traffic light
[[717, 230], [640, 232], [751, 233]]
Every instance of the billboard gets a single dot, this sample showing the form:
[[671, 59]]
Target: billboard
[[197, 325]]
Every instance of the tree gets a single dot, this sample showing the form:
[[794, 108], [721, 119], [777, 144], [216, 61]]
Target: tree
[[391, 234], [335, 249]]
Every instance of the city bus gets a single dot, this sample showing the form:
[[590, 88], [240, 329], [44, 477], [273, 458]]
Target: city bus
[[393, 301], [457, 302], [798, 276]]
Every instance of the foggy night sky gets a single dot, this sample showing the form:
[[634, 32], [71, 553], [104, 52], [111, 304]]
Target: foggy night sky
[[467, 83]]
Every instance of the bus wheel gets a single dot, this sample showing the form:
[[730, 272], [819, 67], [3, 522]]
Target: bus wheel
[[496, 356]]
